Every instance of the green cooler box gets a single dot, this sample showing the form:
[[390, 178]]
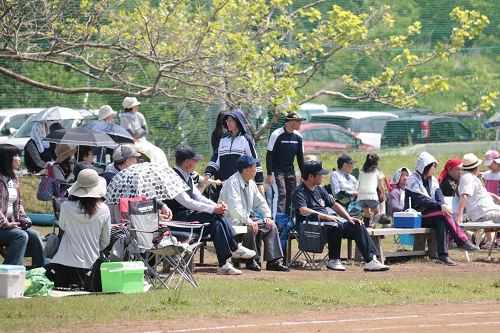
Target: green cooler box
[[125, 277]]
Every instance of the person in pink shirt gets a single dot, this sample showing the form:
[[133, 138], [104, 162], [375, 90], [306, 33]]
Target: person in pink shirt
[[491, 178]]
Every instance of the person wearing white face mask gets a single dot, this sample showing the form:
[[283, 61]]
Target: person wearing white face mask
[[135, 123]]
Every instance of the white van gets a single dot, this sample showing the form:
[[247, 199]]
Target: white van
[[12, 119], [364, 125], [308, 109], [22, 136]]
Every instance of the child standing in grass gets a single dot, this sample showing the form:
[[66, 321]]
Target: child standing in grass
[[369, 178]]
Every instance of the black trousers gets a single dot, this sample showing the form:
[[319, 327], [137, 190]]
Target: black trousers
[[282, 188], [65, 276]]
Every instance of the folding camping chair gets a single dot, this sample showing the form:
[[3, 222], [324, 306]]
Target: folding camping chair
[[312, 218], [144, 227]]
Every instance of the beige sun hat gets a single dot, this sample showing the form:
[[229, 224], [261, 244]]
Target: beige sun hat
[[105, 111], [470, 161], [88, 185], [130, 102], [63, 151]]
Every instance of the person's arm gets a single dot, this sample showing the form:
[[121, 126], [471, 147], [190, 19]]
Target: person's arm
[[213, 166], [32, 150], [334, 183], [105, 230], [496, 198], [143, 131], [395, 200], [438, 195], [461, 206], [382, 190], [198, 206], [260, 203], [259, 177], [300, 155], [269, 167]]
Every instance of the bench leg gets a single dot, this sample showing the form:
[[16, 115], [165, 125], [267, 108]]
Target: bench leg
[[377, 241], [349, 249]]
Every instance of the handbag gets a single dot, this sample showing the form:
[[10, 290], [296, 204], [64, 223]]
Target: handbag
[[311, 237], [46, 187], [92, 280]]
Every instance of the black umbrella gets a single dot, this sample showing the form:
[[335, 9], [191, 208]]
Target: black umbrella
[[80, 136], [119, 134]]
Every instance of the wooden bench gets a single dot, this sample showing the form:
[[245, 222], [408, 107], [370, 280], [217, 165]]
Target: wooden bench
[[5, 247], [422, 236]]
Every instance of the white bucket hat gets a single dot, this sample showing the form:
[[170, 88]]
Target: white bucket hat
[[130, 102], [88, 185], [105, 111]]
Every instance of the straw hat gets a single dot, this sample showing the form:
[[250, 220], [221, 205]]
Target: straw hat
[[105, 111], [470, 161], [130, 102], [63, 151], [88, 185]]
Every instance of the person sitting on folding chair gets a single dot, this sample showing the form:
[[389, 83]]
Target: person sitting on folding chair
[[86, 223], [243, 197], [310, 197], [191, 206]]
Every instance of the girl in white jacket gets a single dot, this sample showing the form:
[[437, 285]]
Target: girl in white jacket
[[86, 222]]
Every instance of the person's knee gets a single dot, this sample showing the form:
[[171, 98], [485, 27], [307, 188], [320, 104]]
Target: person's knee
[[20, 236]]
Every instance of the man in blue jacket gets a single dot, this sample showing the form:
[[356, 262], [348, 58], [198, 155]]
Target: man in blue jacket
[[284, 144]]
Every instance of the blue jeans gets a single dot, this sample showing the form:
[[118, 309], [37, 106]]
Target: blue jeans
[[19, 240]]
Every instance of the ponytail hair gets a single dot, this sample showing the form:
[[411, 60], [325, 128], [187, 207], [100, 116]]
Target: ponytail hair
[[371, 163]]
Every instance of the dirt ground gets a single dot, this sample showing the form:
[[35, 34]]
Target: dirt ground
[[434, 317]]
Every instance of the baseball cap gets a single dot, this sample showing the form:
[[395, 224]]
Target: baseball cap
[[187, 153], [245, 161], [345, 159], [124, 152], [294, 116], [490, 156], [314, 167]]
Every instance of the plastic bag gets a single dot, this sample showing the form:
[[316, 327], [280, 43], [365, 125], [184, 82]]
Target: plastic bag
[[40, 284]]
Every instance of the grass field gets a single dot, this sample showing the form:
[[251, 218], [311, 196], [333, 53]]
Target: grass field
[[408, 282]]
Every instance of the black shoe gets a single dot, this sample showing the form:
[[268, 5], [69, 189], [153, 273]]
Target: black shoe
[[445, 259], [468, 246], [252, 265], [275, 265], [384, 219]]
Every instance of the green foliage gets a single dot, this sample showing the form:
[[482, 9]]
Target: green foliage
[[244, 54]]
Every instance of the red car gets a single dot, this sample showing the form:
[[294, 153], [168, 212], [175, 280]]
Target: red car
[[320, 137]]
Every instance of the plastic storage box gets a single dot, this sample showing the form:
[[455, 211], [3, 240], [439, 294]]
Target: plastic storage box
[[125, 277], [407, 220], [406, 239], [12, 281]]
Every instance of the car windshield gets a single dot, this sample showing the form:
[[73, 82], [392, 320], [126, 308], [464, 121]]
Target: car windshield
[[25, 131]]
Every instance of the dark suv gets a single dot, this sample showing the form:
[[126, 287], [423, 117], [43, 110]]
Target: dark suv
[[424, 129]]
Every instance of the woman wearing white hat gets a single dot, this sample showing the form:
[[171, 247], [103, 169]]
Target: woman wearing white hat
[[135, 123], [86, 222], [107, 115]]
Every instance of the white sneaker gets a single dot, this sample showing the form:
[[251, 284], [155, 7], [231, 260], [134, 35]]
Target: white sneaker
[[243, 253], [375, 265], [227, 269], [335, 264]]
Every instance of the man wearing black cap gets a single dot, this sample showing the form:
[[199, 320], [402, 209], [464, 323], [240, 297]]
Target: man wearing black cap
[[310, 197], [191, 206], [342, 180], [243, 197], [284, 144]]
